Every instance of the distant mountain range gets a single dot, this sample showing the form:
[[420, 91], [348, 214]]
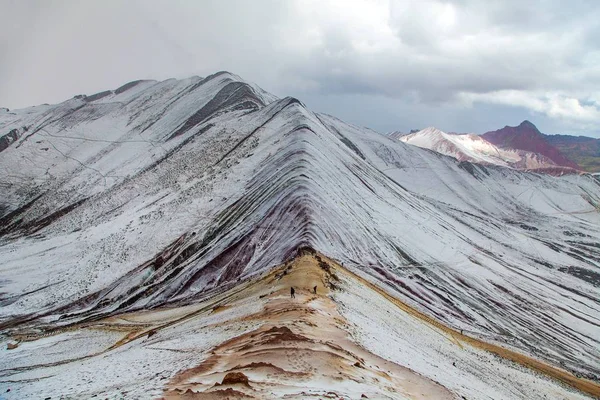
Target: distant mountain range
[[474, 148], [521, 147]]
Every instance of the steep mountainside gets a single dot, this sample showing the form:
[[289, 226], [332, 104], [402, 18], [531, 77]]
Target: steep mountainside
[[398, 134], [163, 195], [475, 149], [527, 137], [347, 340], [585, 151]]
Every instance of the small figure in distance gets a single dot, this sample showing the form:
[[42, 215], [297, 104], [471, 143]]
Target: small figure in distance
[[315, 290], [293, 292]]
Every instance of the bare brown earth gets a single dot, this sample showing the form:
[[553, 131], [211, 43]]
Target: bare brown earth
[[301, 350], [303, 339]]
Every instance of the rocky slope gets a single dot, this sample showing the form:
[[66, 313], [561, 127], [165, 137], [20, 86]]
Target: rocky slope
[[166, 194], [527, 137], [585, 151]]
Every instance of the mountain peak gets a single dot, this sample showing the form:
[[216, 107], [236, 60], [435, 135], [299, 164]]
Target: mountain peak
[[430, 130], [526, 136], [528, 125], [221, 73]]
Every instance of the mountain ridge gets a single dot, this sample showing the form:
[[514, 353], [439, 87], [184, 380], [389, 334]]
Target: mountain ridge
[[527, 137], [123, 215], [583, 150], [476, 149]]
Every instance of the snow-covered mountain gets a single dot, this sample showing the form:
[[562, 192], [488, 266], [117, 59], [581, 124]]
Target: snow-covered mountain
[[474, 148], [163, 195]]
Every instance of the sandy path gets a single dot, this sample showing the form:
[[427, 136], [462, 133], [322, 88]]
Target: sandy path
[[301, 350]]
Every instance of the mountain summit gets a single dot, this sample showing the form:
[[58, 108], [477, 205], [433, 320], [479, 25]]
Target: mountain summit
[[527, 137], [150, 237]]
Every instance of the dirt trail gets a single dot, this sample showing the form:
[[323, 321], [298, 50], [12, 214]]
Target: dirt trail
[[301, 350], [314, 318]]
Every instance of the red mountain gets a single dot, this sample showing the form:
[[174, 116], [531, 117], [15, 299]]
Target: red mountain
[[527, 137]]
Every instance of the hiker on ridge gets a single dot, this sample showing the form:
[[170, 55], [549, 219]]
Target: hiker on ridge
[[293, 292]]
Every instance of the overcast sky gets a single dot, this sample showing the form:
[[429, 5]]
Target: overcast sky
[[462, 65]]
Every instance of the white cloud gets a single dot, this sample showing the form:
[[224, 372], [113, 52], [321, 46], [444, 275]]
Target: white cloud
[[540, 55], [553, 104], [499, 52]]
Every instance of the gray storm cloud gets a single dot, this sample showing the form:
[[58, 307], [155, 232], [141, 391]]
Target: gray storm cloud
[[439, 62]]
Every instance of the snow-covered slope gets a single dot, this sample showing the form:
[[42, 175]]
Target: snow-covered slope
[[348, 340], [396, 134], [475, 149], [167, 193]]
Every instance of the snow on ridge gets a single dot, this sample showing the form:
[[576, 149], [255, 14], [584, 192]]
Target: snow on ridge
[[165, 222], [465, 147], [474, 148]]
